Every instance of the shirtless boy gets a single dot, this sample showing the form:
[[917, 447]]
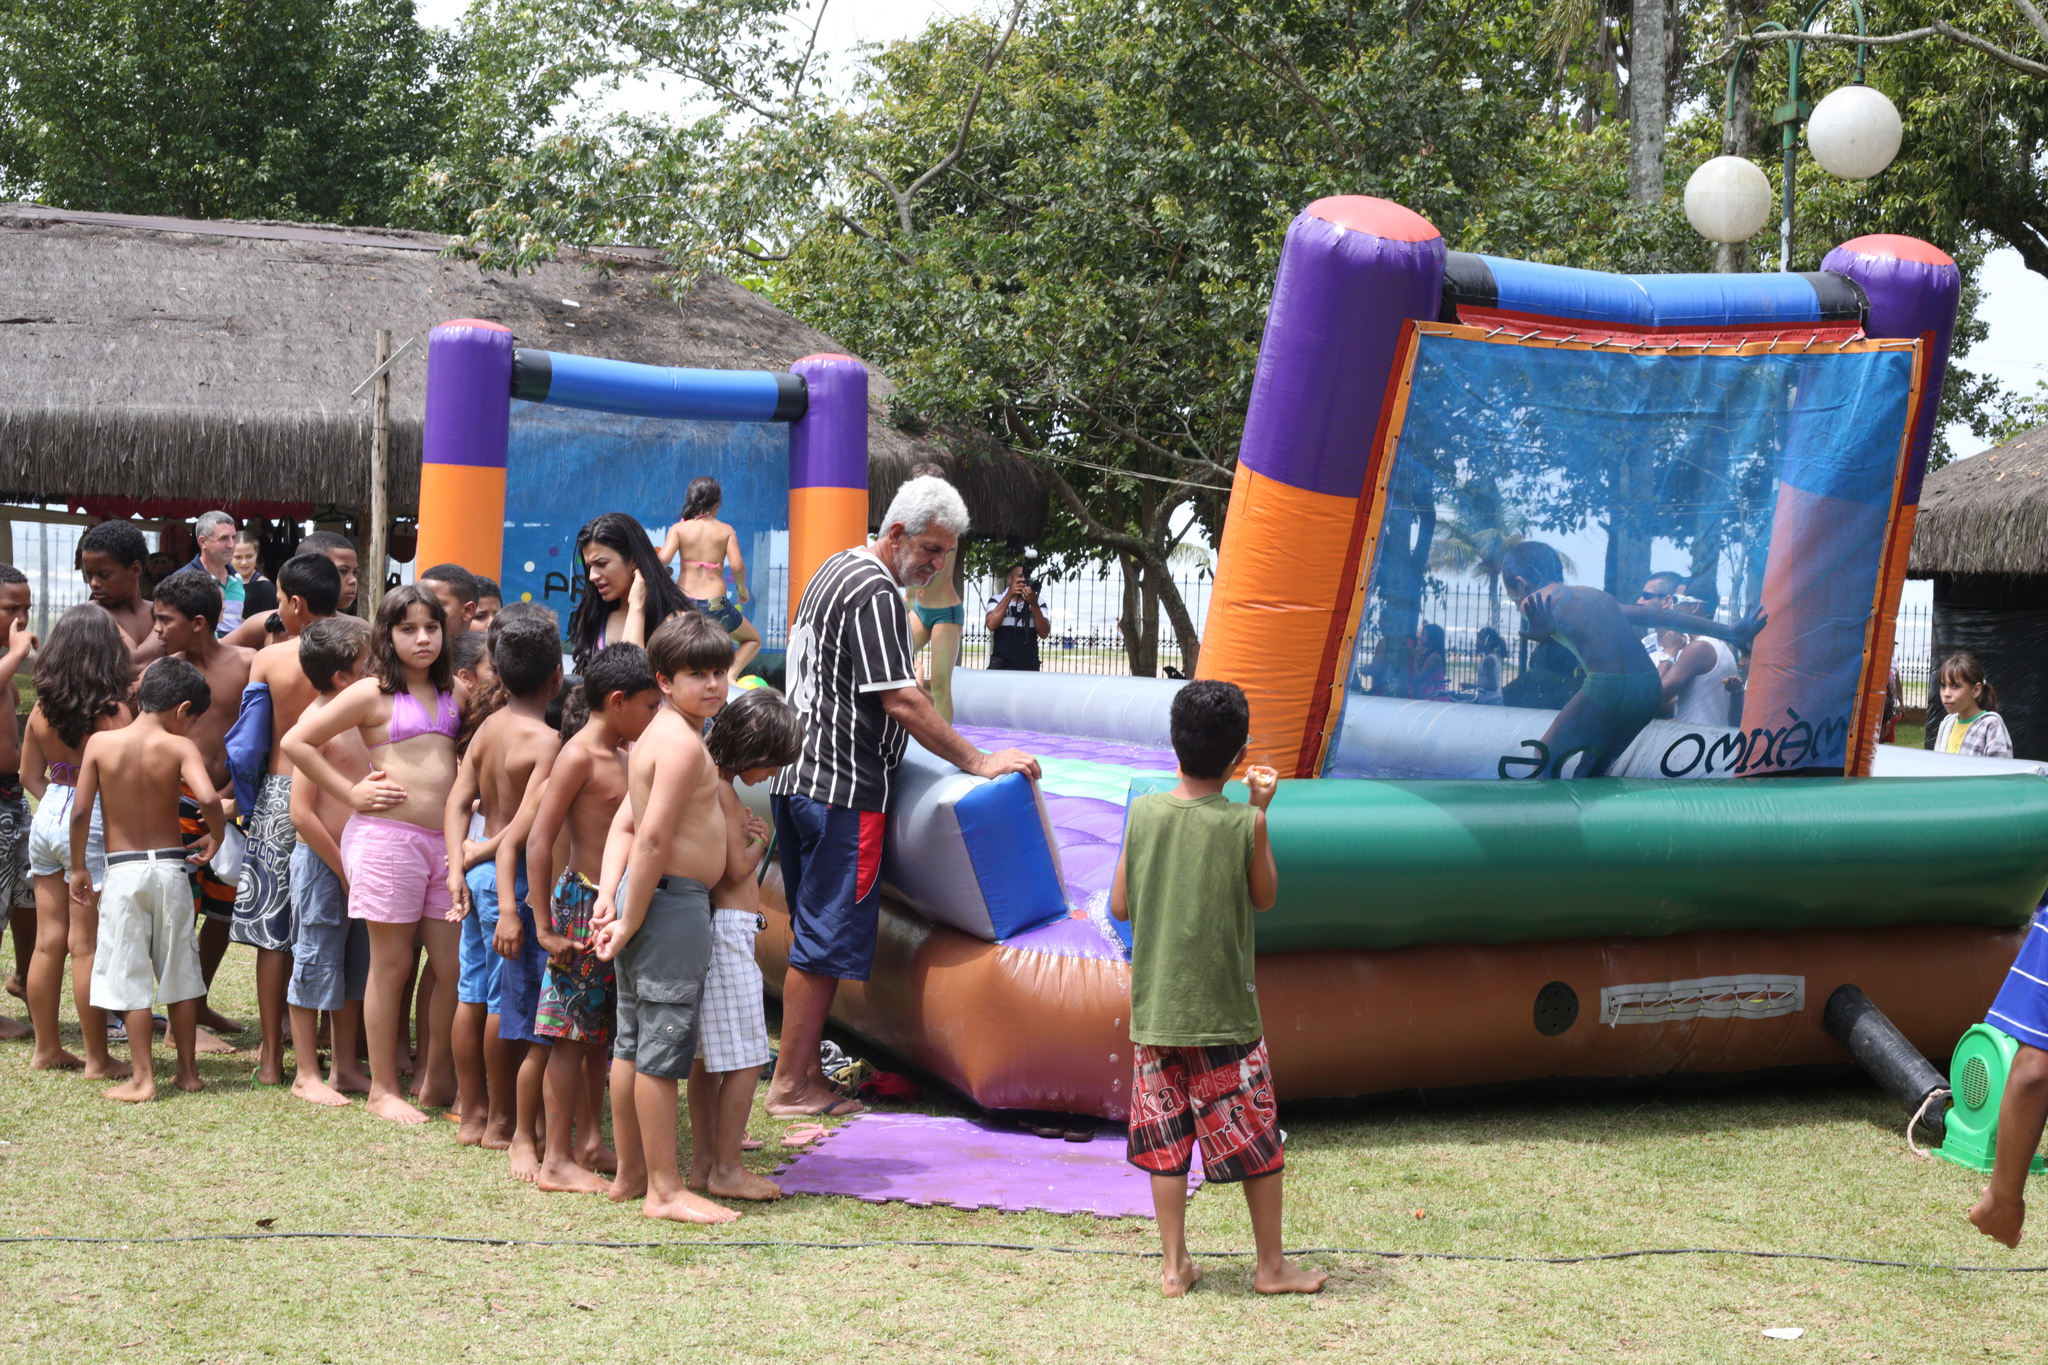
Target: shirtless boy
[[308, 587], [505, 770], [340, 551], [111, 555], [147, 950], [17, 888], [756, 735], [1622, 692], [330, 951], [456, 587], [672, 828], [187, 610], [578, 1010]]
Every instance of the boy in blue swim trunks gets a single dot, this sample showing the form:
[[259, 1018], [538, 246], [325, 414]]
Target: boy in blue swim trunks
[[1622, 691], [506, 768], [2021, 1009]]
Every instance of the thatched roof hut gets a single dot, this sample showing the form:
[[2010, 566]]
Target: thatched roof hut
[[167, 361], [1987, 514], [1982, 536]]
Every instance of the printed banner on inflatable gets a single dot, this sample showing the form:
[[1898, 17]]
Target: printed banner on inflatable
[[1561, 476]]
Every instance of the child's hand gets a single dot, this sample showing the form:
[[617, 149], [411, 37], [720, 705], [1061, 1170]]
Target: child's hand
[[758, 829], [603, 912], [458, 896], [553, 944], [376, 793], [203, 851], [81, 886], [1261, 782], [511, 934], [608, 942], [19, 641]]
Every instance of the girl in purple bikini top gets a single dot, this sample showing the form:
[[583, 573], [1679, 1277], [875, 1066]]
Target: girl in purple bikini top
[[409, 718]]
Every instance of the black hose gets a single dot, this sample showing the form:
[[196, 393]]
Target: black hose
[[1880, 1049]]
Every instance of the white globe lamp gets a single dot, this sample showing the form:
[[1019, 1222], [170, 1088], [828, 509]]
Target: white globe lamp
[[1728, 199], [1854, 133]]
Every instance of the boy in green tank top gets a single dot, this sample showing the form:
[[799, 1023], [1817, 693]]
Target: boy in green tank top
[[1194, 867]]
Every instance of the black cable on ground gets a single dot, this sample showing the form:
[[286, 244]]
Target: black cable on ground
[[1133, 1253]]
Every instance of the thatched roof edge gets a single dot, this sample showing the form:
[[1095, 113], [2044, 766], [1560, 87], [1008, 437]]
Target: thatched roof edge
[[1987, 514]]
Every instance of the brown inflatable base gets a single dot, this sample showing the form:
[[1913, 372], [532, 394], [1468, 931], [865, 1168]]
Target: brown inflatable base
[[1022, 1030]]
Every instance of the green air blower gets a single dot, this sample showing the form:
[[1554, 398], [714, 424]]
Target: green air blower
[[1977, 1086]]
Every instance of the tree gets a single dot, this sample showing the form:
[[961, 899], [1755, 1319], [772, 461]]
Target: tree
[[310, 109]]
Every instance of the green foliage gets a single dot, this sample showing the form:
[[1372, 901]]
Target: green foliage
[[304, 109]]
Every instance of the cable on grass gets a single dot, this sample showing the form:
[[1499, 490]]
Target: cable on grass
[[891, 1244]]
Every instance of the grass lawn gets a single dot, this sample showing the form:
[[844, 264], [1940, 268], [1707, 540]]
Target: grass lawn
[[1790, 1166]]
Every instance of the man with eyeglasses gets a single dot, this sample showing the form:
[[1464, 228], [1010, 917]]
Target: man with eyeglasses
[[1660, 590]]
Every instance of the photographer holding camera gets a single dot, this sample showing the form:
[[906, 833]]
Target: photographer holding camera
[[1016, 624]]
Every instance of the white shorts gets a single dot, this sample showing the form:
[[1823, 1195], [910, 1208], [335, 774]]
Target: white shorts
[[49, 838], [732, 1023], [149, 944]]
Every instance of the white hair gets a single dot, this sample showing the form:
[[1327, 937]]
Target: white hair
[[209, 521], [923, 503]]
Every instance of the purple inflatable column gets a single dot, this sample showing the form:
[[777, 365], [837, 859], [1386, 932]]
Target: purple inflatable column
[[1913, 289], [828, 467], [463, 437], [1352, 272]]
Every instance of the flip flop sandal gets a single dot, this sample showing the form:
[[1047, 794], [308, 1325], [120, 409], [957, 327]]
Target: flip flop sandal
[[803, 1134], [751, 1144]]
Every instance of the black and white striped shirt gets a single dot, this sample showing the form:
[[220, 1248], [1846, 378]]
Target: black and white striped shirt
[[850, 643]]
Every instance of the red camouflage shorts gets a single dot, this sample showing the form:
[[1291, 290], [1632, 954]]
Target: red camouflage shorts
[[1221, 1095]]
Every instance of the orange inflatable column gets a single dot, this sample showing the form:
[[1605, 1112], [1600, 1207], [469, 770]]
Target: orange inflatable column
[[828, 467], [1352, 272], [463, 439]]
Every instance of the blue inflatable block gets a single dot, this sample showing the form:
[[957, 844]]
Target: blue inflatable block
[[581, 381], [1004, 833]]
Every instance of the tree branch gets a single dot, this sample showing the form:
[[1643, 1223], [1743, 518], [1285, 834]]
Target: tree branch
[[1937, 30], [1295, 79], [967, 120], [796, 87], [1145, 444], [902, 256]]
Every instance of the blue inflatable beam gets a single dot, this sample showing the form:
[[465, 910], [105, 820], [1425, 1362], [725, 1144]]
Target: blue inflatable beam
[[581, 381], [1659, 302]]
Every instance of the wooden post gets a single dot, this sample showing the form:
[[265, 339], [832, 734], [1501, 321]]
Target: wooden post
[[370, 582]]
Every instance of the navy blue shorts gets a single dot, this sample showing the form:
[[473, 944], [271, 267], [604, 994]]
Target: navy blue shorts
[[831, 874]]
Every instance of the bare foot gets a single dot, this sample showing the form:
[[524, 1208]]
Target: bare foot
[[133, 1092], [1289, 1279], [471, 1133], [111, 1070], [494, 1140], [57, 1059], [568, 1178], [11, 1029], [620, 1191], [599, 1158], [189, 1082], [699, 1175], [1173, 1284], [525, 1161], [1999, 1221], [273, 1074], [744, 1184], [350, 1082], [313, 1090], [395, 1108], [206, 1042], [812, 1101], [14, 986], [218, 1022], [434, 1098], [405, 1065], [687, 1208]]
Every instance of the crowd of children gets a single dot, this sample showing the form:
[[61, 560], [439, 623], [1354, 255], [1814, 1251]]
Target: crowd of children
[[527, 903]]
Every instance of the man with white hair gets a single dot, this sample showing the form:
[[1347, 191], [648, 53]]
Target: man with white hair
[[850, 678], [215, 532]]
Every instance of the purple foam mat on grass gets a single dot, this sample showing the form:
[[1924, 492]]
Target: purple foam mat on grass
[[918, 1159]]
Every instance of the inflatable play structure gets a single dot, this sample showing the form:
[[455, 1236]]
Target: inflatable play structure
[[1462, 901]]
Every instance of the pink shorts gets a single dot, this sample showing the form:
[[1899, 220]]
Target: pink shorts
[[397, 873]]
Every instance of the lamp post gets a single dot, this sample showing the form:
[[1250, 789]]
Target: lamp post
[[1853, 133]]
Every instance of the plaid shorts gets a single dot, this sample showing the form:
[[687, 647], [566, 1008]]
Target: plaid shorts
[[1222, 1095], [732, 1024]]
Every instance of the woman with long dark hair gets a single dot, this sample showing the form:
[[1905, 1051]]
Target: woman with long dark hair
[[627, 591]]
